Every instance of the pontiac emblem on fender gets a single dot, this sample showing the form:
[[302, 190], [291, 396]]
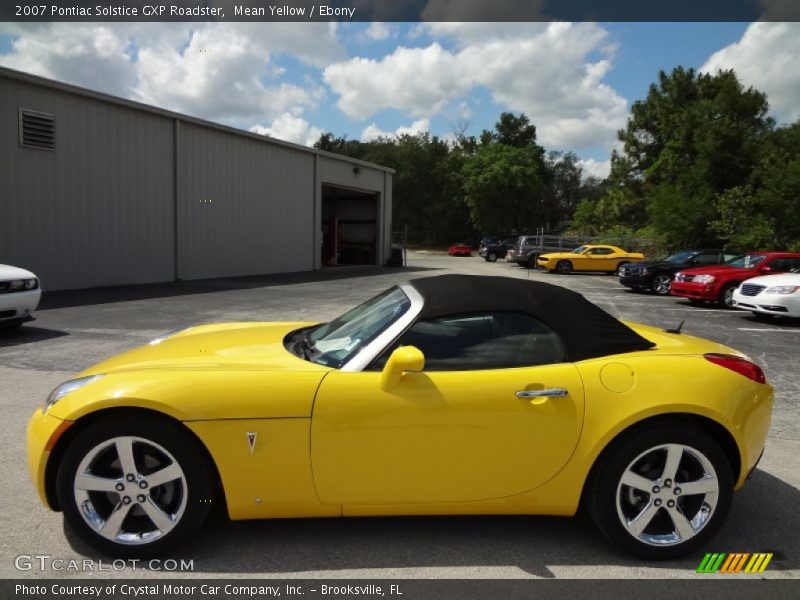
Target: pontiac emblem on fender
[[251, 440]]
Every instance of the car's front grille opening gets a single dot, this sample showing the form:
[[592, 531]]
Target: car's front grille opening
[[752, 289], [5, 314]]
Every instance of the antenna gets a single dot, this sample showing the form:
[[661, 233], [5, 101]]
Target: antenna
[[676, 329]]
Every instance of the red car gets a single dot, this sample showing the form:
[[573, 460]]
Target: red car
[[459, 249], [716, 283]]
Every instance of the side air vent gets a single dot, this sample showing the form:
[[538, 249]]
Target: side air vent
[[37, 129]]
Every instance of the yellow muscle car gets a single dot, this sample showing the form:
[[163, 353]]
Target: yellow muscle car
[[588, 258], [447, 395]]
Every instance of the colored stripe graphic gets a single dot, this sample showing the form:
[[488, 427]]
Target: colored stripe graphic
[[722, 562]]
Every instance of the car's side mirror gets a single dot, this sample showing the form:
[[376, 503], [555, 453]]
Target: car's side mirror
[[403, 360], [765, 269]]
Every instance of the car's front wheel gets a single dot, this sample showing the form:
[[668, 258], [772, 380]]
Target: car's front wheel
[[726, 295], [491, 257], [134, 488], [662, 284], [662, 491], [563, 267]]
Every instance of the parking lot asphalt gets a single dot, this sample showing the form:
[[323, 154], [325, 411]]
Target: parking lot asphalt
[[75, 329]]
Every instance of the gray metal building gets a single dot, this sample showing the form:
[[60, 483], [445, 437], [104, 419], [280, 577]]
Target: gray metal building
[[97, 190]]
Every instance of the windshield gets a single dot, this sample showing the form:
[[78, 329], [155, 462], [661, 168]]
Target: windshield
[[334, 343], [681, 257], [745, 261], [579, 250]]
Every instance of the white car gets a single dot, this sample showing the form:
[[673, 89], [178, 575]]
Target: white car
[[777, 295], [19, 295]]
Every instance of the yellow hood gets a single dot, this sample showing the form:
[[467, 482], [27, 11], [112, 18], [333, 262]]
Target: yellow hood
[[218, 346]]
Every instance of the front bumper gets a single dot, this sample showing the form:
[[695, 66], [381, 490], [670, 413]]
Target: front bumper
[[695, 291], [42, 432], [636, 282], [15, 306], [785, 305]]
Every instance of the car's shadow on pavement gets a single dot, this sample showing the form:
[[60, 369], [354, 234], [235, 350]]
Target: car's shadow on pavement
[[27, 334], [764, 518]]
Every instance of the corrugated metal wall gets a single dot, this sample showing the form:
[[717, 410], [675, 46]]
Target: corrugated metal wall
[[97, 210], [133, 194], [245, 207]]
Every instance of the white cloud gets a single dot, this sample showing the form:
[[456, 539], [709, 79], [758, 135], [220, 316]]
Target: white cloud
[[290, 128], [378, 31], [417, 81], [373, 132], [219, 71], [595, 168], [543, 70], [766, 57]]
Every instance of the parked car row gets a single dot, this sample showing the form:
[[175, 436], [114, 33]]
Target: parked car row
[[764, 283]]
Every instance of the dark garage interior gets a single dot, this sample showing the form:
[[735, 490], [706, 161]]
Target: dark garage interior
[[349, 226]]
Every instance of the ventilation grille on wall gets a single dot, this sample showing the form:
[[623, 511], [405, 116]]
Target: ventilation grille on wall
[[37, 129]]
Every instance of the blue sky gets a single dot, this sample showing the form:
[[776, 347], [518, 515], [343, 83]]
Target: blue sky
[[576, 82]]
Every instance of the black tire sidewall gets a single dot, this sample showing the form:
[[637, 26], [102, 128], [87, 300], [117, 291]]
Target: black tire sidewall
[[724, 292], [602, 501], [567, 267], [198, 473], [491, 257], [656, 277]]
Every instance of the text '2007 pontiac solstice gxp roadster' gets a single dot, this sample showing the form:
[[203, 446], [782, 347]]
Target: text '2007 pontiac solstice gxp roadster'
[[446, 395]]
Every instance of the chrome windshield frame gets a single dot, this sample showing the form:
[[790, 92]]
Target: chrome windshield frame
[[371, 351]]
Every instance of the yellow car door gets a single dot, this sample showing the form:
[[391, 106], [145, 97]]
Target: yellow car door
[[445, 435]]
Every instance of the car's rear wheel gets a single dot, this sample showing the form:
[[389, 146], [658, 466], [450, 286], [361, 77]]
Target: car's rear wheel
[[726, 295], [662, 491], [134, 488], [563, 267], [491, 257], [662, 283]]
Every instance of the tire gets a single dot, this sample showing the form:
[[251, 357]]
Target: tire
[[619, 266], [662, 282], [491, 257], [563, 267], [726, 295], [641, 456], [180, 504]]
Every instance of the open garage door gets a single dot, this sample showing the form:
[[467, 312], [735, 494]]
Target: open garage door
[[349, 226]]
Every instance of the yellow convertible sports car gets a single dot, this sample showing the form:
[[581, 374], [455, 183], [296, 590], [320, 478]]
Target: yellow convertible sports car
[[447, 395], [588, 258]]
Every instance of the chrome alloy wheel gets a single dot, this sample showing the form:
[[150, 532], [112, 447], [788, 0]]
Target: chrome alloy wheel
[[667, 495], [662, 284], [130, 490]]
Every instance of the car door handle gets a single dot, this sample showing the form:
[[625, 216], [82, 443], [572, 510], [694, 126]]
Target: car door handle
[[540, 393]]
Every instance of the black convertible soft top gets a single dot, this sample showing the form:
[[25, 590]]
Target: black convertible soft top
[[586, 330]]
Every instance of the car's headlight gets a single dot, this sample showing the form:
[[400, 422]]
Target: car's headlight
[[22, 284], [704, 279], [67, 387], [782, 289]]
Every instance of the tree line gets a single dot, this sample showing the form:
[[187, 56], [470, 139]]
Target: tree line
[[700, 163]]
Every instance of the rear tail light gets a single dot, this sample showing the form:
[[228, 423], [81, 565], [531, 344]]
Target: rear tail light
[[738, 364]]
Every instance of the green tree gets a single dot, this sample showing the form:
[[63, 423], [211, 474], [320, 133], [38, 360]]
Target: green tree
[[692, 138], [765, 213], [503, 187]]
